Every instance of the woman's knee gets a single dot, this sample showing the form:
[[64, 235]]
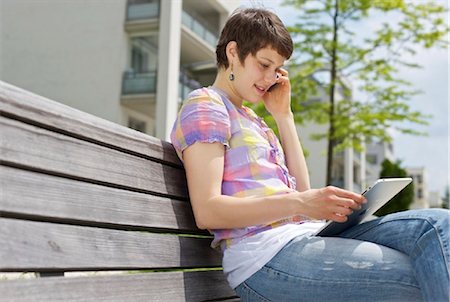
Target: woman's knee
[[441, 216]]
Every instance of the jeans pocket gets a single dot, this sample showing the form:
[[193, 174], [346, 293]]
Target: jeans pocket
[[247, 293]]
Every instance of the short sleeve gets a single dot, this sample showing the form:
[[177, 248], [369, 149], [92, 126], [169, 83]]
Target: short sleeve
[[203, 118]]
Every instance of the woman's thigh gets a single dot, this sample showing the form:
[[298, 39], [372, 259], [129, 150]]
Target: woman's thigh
[[333, 269]]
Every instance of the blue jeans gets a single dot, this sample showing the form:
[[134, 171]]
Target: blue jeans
[[398, 257]]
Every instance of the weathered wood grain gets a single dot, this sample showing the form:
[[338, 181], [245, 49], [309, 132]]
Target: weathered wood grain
[[53, 198], [40, 246], [174, 286], [41, 149], [36, 109]]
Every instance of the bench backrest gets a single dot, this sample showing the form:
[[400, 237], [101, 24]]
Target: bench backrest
[[81, 194]]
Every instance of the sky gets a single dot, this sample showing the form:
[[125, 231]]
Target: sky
[[431, 151]]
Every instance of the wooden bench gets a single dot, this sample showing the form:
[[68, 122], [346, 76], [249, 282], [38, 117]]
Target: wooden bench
[[82, 194]]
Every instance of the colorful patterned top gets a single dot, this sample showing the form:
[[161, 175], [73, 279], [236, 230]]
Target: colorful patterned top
[[254, 163]]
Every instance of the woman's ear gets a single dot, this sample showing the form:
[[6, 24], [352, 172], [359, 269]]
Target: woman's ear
[[231, 51]]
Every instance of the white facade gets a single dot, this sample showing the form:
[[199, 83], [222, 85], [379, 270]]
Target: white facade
[[420, 180], [435, 199], [69, 51], [349, 167], [376, 153], [126, 61]]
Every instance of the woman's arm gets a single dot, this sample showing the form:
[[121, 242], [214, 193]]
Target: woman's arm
[[293, 152], [278, 103], [204, 164]]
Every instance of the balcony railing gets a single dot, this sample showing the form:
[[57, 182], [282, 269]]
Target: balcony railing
[[145, 83], [199, 28], [138, 83], [142, 9], [148, 9]]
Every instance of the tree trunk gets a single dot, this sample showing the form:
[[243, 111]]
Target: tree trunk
[[333, 72]]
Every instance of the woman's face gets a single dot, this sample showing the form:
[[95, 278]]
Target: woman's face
[[257, 74]]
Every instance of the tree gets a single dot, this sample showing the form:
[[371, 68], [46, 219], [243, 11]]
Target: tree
[[327, 54], [402, 200]]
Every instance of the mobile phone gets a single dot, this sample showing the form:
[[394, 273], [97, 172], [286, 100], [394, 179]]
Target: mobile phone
[[272, 87]]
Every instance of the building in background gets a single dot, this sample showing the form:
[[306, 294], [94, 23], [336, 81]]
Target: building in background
[[349, 166], [126, 61], [376, 153], [435, 200], [419, 177]]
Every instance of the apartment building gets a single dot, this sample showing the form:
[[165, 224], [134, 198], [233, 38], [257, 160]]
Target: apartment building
[[376, 153], [130, 62], [420, 180]]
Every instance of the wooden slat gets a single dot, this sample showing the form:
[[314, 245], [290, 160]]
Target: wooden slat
[[40, 246], [54, 198], [175, 286], [37, 109], [38, 148]]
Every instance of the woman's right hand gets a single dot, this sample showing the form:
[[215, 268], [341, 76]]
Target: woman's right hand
[[329, 203]]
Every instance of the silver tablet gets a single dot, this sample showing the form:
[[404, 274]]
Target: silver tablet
[[377, 195]]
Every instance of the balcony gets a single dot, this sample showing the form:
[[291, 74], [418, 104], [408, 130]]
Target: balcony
[[139, 91], [138, 83], [142, 9], [199, 28], [198, 37], [142, 16]]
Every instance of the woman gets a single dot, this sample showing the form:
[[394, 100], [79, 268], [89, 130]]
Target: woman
[[253, 192]]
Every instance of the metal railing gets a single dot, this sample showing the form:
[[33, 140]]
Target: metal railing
[[147, 9], [142, 9], [145, 83], [138, 83], [199, 28]]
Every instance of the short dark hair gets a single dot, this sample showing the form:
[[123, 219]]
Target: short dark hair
[[253, 29]]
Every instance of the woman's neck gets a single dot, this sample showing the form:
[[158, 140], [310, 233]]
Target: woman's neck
[[223, 83]]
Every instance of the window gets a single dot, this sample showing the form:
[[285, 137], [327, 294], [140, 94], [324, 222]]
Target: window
[[419, 178], [144, 53]]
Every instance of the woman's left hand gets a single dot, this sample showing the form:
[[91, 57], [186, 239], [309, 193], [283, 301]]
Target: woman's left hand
[[278, 100]]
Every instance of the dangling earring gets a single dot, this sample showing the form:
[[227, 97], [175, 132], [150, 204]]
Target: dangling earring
[[231, 76]]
